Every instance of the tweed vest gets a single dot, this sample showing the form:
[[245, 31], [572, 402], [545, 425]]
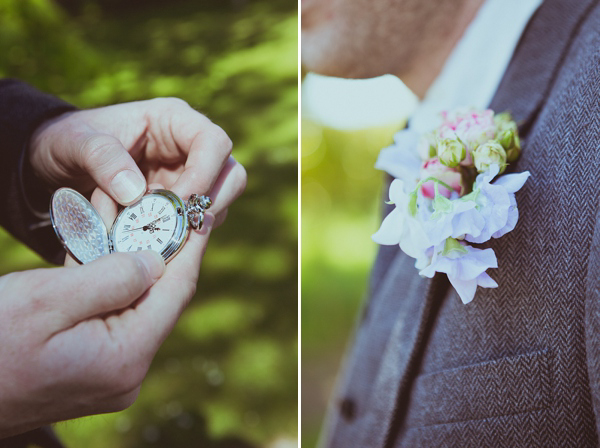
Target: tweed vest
[[520, 365]]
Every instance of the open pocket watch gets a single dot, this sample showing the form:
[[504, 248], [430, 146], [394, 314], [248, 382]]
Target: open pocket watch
[[159, 221]]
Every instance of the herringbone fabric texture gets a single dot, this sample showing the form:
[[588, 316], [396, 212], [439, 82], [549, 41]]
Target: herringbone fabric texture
[[520, 365]]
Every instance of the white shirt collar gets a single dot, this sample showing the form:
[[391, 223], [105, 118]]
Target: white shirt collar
[[475, 67]]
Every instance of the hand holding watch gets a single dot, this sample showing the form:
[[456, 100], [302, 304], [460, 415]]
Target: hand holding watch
[[82, 232]]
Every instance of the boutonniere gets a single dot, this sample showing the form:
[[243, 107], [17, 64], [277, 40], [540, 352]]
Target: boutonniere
[[449, 193]]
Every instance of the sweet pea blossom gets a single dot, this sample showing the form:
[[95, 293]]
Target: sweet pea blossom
[[496, 203], [465, 267], [400, 160], [453, 218], [434, 218], [450, 176], [404, 229], [427, 146]]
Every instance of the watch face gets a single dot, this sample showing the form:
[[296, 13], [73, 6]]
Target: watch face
[[156, 222]]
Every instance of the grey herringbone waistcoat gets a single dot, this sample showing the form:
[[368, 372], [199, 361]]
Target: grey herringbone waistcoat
[[520, 365]]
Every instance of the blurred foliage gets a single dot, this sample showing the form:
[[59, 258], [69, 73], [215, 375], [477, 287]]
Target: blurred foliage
[[341, 205], [227, 376]]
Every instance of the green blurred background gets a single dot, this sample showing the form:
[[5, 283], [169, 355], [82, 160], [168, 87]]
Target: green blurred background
[[227, 376], [341, 206]]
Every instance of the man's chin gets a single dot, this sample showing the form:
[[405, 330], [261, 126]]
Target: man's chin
[[320, 57]]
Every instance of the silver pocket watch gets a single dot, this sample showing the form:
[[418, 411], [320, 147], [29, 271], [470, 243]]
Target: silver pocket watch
[[159, 221]]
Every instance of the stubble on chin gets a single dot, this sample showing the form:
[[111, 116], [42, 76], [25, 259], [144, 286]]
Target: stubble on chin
[[355, 42], [367, 38]]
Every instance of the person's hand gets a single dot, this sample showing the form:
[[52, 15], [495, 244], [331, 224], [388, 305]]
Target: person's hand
[[119, 148], [79, 340]]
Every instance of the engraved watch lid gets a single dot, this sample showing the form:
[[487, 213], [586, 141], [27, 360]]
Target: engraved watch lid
[[78, 225]]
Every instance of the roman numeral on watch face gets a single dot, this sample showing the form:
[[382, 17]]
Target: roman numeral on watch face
[[143, 232]]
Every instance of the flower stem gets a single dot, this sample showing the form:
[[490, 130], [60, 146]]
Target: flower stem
[[433, 179], [412, 204]]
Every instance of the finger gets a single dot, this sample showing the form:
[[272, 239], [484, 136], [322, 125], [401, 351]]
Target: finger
[[208, 148], [106, 207], [166, 175], [107, 284], [182, 273], [230, 184], [220, 219], [154, 317], [112, 168], [70, 261]]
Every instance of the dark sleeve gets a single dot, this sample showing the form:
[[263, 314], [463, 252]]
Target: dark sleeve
[[25, 199]]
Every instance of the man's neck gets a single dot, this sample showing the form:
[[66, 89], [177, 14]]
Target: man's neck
[[429, 63]]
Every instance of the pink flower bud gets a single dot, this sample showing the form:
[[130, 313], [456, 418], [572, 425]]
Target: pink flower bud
[[450, 176], [471, 127]]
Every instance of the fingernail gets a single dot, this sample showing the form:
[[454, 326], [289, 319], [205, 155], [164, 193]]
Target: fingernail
[[153, 262], [128, 186]]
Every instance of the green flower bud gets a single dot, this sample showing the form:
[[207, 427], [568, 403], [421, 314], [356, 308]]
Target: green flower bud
[[503, 118], [451, 152], [508, 137], [489, 153], [513, 153]]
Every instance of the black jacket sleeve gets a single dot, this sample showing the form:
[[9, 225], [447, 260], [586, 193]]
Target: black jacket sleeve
[[24, 199]]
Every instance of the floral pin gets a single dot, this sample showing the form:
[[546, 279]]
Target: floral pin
[[448, 193]]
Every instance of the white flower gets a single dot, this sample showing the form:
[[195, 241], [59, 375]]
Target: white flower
[[427, 146], [465, 267], [400, 160], [400, 227], [496, 203], [430, 221], [453, 218]]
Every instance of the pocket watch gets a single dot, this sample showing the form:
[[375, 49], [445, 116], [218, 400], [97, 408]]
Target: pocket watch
[[159, 221]]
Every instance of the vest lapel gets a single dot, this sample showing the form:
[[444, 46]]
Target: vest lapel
[[537, 59]]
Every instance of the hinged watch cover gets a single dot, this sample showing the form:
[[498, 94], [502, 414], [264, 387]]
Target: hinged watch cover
[[78, 225]]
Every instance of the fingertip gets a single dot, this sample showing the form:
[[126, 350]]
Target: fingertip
[[127, 187], [207, 225], [153, 263], [156, 186]]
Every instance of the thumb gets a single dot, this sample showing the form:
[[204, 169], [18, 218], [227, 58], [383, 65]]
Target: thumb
[[110, 283], [114, 170]]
